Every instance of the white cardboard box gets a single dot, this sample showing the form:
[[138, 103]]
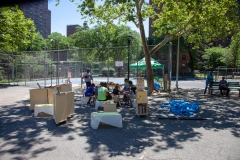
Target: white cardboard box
[[140, 83]]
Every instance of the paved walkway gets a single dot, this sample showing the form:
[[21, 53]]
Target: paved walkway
[[25, 137]]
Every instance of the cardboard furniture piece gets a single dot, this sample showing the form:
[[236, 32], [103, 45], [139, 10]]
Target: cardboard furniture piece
[[140, 83], [51, 91], [38, 96], [110, 118], [141, 106], [45, 108], [98, 104], [141, 96], [109, 107], [63, 106], [65, 87], [84, 100]]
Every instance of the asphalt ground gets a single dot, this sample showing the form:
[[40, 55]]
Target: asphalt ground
[[23, 136]]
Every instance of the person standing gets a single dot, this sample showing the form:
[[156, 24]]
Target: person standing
[[209, 81], [223, 86], [69, 76], [87, 77]]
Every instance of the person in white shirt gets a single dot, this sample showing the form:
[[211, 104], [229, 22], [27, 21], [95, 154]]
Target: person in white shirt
[[87, 77]]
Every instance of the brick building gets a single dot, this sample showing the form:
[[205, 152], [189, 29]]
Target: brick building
[[39, 13], [71, 29]]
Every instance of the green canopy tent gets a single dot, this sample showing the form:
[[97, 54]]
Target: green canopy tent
[[142, 65]]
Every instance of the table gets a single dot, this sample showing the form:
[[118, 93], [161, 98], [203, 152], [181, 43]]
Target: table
[[111, 118], [98, 104], [46, 108]]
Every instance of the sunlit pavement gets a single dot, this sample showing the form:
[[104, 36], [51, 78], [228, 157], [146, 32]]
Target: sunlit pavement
[[76, 82]]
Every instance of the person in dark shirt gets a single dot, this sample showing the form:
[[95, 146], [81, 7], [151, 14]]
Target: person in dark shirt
[[116, 90], [131, 93], [223, 86]]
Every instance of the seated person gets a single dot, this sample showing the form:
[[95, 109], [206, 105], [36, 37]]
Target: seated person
[[96, 90], [103, 93], [116, 90], [126, 85], [131, 93], [90, 92], [223, 86], [133, 89]]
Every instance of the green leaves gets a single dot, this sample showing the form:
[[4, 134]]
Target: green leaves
[[16, 31]]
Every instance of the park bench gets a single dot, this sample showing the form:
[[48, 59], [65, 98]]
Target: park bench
[[231, 86], [215, 86], [234, 86]]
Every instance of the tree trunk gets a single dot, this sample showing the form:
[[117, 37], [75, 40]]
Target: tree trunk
[[150, 81], [191, 62]]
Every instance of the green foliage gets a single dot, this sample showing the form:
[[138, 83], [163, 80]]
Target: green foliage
[[214, 57], [56, 40], [195, 20], [232, 57], [105, 72], [16, 31], [37, 44], [98, 39]]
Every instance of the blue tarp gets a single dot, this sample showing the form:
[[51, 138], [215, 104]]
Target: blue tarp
[[180, 107]]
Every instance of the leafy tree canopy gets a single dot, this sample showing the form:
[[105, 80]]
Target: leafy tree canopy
[[56, 40], [194, 19], [214, 57], [16, 31]]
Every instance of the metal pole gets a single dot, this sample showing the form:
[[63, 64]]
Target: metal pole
[[108, 68], [128, 56], [58, 67], [81, 69], [170, 66], [177, 65], [137, 60], [51, 74], [12, 68], [25, 69], [45, 66]]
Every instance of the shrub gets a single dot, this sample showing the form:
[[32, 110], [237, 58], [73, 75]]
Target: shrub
[[105, 72]]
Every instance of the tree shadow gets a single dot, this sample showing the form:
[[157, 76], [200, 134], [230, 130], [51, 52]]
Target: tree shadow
[[20, 132]]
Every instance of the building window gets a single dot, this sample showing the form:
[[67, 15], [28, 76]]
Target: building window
[[183, 57]]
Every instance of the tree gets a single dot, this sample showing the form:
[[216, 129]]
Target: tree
[[99, 38], [200, 19], [37, 44], [56, 40], [233, 56], [16, 34], [214, 57], [16, 31]]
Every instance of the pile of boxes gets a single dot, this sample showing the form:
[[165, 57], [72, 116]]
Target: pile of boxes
[[141, 98]]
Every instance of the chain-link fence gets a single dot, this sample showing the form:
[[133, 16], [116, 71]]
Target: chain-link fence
[[53, 64]]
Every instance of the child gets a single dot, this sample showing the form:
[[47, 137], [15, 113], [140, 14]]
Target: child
[[69, 76]]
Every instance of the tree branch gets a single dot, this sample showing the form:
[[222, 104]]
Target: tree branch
[[193, 28], [194, 15], [166, 39]]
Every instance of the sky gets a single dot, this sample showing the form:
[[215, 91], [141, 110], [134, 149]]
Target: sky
[[66, 14]]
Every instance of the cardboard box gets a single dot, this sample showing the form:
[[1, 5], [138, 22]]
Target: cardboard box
[[141, 96], [110, 107], [38, 96], [140, 83]]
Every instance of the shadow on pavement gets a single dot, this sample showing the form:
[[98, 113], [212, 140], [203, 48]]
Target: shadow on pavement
[[21, 132]]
